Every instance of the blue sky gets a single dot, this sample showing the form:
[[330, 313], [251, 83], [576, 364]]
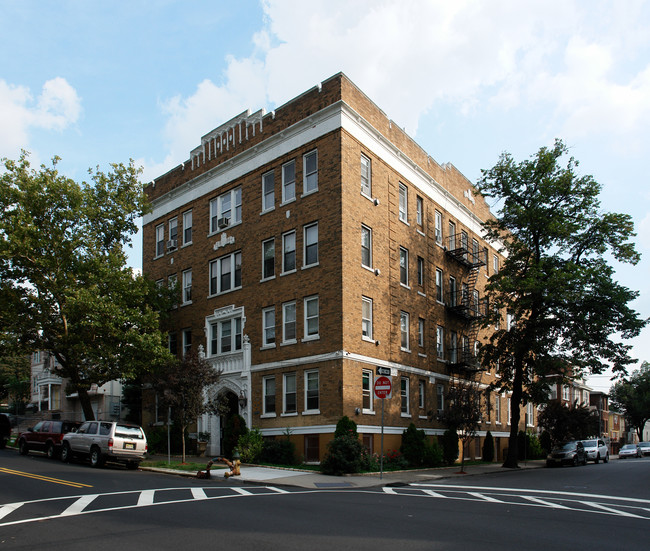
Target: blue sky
[[100, 82]]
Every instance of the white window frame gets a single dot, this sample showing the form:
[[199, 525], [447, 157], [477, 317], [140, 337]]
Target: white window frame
[[216, 268], [421, 394], [440, 342], [403, 203], [366, 319], [419, 210], [309, 179], [421, 329], [403, 266], [405, 396], [265, 244], [529, 412], [267, 411], [367, 393], [173, 233], [366, 231], [288, 184], [438, 231], [268, 191], [216, 335], [289, 308], [440, 291], [160, 241], [285, 251], [217, 210], [186, 297], [405, 331], [497, 409], [285, 392], [509, 402], [268, 327], [187, 227], [366, 176], [309, 379], [308, 241], [495, 264], [310, 318]]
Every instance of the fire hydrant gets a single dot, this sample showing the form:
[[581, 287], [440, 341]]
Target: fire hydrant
[[233, 465]]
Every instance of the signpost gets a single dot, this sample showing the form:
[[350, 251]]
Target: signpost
[[383, 389]]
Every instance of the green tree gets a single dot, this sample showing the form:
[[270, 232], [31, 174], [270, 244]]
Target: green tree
[[558, 290], [65, 287], [632, 398], [563, 423], [15, 381], [181, 385]]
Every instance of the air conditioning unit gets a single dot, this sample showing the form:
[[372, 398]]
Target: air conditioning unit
[[223, 223], [172, 244]]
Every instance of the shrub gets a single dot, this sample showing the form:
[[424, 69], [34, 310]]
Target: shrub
[[488, 448], [432, 454], [414, 443], [345, 426], [278, 452], [449, 446], [344, 455], [250, 445], [545, 441], [157, 439]]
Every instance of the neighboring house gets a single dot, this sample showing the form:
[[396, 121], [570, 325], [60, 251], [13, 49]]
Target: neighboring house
[[310, 246], [600, 402], [50, 398], [574, 392]]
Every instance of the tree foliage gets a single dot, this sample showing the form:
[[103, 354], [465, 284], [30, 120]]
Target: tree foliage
[[181, 385], [564, 423], [65, 287], [631, 397], [555, 282]]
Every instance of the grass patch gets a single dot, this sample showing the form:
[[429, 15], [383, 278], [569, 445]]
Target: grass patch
[[301, 467], [179, 466]]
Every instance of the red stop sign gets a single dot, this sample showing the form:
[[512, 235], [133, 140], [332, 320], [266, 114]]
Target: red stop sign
[[383, 387]]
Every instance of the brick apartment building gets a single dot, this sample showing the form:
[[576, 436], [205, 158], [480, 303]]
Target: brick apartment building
[[311, 245]]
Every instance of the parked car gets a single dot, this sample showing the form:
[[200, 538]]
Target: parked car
[[571, 453], [645, 448], [596, 450], [45, 436], [5, 430], [103, 441], [629, 450]]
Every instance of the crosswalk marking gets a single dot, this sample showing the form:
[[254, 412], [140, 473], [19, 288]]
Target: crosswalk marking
[[484, 497], [79, 505], [146, 498], [199, 493], [545, 503], [610, 509], [9, 508]]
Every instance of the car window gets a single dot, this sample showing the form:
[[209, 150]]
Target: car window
[[83, 428], [105, 429], [45, 427], [92, 428], [56, 426], [127, 431], [37, 426]]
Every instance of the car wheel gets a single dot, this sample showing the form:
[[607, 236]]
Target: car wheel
[[606, 459], [66, 453], [575, 460], [23, 448], [3, 443], [584, 460], [132, 465], [597, 459], [96, 459]]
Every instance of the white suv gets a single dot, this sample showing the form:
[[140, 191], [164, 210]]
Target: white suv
[[103, 441], [596, 450]]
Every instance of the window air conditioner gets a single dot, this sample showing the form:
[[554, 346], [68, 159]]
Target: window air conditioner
[[172, 244], [223, 223]]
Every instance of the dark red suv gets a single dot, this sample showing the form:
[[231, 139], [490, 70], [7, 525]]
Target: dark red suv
[[46, 437]]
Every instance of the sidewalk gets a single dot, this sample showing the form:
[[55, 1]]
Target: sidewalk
[[312, 479]]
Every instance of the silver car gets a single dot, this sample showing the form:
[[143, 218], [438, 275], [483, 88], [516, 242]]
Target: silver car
[[629, 450], [103, 441], [596, 450]]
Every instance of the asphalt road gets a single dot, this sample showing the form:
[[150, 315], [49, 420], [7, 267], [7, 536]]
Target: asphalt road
[[49, 504]]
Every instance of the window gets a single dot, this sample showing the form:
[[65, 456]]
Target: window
[[311, 391], [464, 240], [225, 273], [289, 397], [187, 227], [225, 336], [225, 210], [404, 331], [495, 264], [475, 249], [268, 258], [452, 291], [419, 210], [288, 181], [289, 322], [421, 394], [366, 176], [403, 266], [565, 392], [439, 289], [268, 390], [421, 332], [172, 282], [403, 203], [187, 287], [289, 252], [268, 191], [452, 235], [268, 326], [509, 419], [310, 172], [497, 409], [310, 239], [366, 247], [529, 414], [440, 395], [367, 391], [172, 343], [420, 271], [187, 341], [311, 318], [439, 228], [173, 234], [404, 395], [440, 341], [160, 240], [366, 318], [453, 347]]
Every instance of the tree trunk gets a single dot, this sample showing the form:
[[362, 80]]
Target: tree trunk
[[512, 460], [183, 442], [86, 406]]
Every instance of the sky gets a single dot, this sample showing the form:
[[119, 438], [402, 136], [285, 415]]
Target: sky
[[104, 82]]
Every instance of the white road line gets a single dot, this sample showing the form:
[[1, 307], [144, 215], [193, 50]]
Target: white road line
[[484, 497], [242, 492], [545, 503], [146, 498], [434, 494], [278, 490], [79, 505], [610, 510], [199, 493], [9, 508]]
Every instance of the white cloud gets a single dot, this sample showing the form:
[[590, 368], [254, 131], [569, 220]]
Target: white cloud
[[643, 234], [57, 107]]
